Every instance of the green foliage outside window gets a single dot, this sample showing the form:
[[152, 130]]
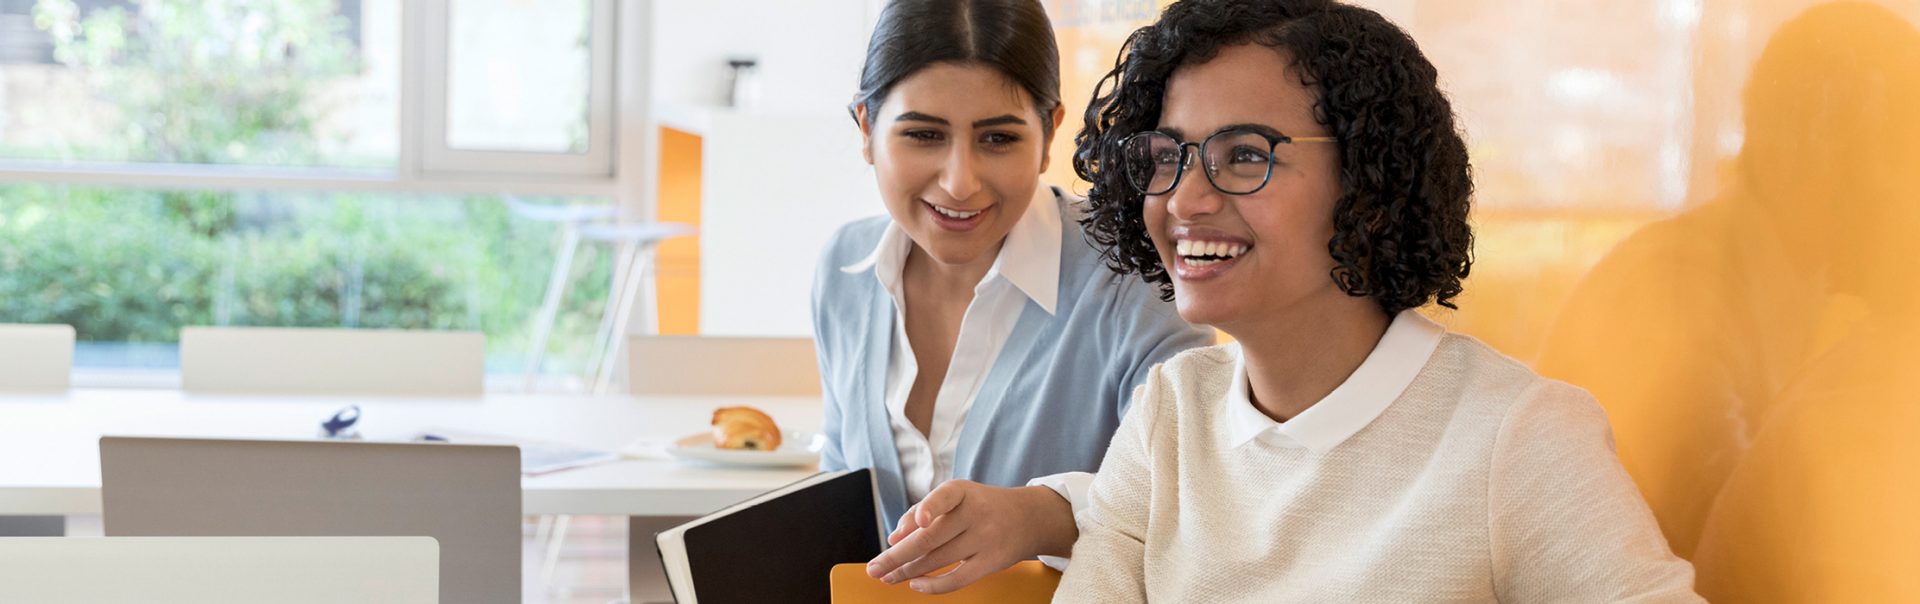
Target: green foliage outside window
[[230, 81]]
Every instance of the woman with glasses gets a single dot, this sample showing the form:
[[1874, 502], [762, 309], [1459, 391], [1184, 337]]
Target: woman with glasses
[[1289, 172], [970, 341]]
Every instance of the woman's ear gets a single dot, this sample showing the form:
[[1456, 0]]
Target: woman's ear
[[866, 130], [1046, 153]]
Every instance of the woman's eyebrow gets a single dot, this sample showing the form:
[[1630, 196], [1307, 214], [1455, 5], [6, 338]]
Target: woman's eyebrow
[[1000, 121], [915, 116], [1261, 128]]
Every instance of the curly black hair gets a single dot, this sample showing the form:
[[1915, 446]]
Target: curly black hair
[[1400, 225]]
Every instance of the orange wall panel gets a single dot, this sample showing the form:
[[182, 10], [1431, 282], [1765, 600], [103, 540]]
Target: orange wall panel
[[678, 280]]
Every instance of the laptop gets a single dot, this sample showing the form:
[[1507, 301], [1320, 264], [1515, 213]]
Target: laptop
[[465, 496]]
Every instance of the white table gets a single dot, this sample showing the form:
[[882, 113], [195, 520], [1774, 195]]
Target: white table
[[50, 451]]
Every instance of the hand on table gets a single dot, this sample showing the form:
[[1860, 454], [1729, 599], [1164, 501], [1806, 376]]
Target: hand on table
[[984, 528]]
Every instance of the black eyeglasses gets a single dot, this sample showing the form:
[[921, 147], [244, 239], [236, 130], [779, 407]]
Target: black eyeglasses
[[1238, 161]]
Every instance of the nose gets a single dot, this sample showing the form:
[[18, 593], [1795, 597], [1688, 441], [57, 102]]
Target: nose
[[959, 178], [1193, 196]]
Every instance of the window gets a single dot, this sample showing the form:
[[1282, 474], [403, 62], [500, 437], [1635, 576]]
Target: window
[[312, 163], [542, 103], [129, 267], [292, 84]]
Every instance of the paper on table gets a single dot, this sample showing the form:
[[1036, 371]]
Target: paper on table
[[536, 457], [648, 448]]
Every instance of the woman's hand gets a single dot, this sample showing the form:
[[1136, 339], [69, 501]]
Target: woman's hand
[[984, 528]]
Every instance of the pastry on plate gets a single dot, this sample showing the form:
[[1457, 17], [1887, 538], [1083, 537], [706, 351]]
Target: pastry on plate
[[744, 428]]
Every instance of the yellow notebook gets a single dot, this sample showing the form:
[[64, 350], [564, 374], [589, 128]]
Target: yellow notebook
[[1028, 581]]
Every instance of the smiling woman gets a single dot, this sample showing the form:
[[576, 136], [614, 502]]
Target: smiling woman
[[958, 205], [1345, 446], [971, 334]]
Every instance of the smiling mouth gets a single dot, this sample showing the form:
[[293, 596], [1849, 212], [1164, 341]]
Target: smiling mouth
[[955, 214], [957, 221], [1207, 253]]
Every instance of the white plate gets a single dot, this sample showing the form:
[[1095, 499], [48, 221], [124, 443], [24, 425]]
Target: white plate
[[796, 449]]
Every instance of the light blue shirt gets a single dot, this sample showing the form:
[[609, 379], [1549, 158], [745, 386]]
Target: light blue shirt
[[1052, 397], [1027, 267]]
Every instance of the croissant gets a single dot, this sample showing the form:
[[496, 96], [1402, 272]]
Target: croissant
[[744, 428]]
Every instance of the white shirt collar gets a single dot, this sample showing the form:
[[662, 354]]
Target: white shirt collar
[[1029, 259], [1401, 354]]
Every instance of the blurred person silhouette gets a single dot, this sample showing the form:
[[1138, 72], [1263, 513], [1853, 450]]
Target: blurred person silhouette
[[1820, 508], [1751, 351]]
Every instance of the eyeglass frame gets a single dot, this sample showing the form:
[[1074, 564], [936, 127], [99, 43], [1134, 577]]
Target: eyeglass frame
[[1273, 142]]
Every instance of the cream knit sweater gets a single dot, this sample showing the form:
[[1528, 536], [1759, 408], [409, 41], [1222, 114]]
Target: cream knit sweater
[[1481, 482]]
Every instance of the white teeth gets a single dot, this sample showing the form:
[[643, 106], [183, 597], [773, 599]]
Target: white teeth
[[954, 214], [1219, 250]]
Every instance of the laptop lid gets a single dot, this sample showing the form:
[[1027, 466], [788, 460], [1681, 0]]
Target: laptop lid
[[465, 496]]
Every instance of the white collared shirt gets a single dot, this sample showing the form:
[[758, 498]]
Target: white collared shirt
[[1448, 471], [1027, 268], [1402, 352]]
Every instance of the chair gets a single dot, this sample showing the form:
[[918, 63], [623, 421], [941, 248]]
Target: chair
[[183, 570], [632, 245], [1024, 582], [570, 219], [35, 357], [253, 360], [465, 496], [703, 365]]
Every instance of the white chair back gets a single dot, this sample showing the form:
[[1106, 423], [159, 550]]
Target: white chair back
[[252, 360], [35, 357], [701, 365], [197, 570]]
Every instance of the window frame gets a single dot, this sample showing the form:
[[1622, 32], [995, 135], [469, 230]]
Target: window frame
[[422, 166], [437, 157]]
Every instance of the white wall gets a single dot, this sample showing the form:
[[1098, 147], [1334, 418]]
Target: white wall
[[779, 178], [809, 51], [774, 189]]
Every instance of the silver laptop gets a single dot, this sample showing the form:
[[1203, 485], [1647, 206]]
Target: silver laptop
[[465, 496]]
